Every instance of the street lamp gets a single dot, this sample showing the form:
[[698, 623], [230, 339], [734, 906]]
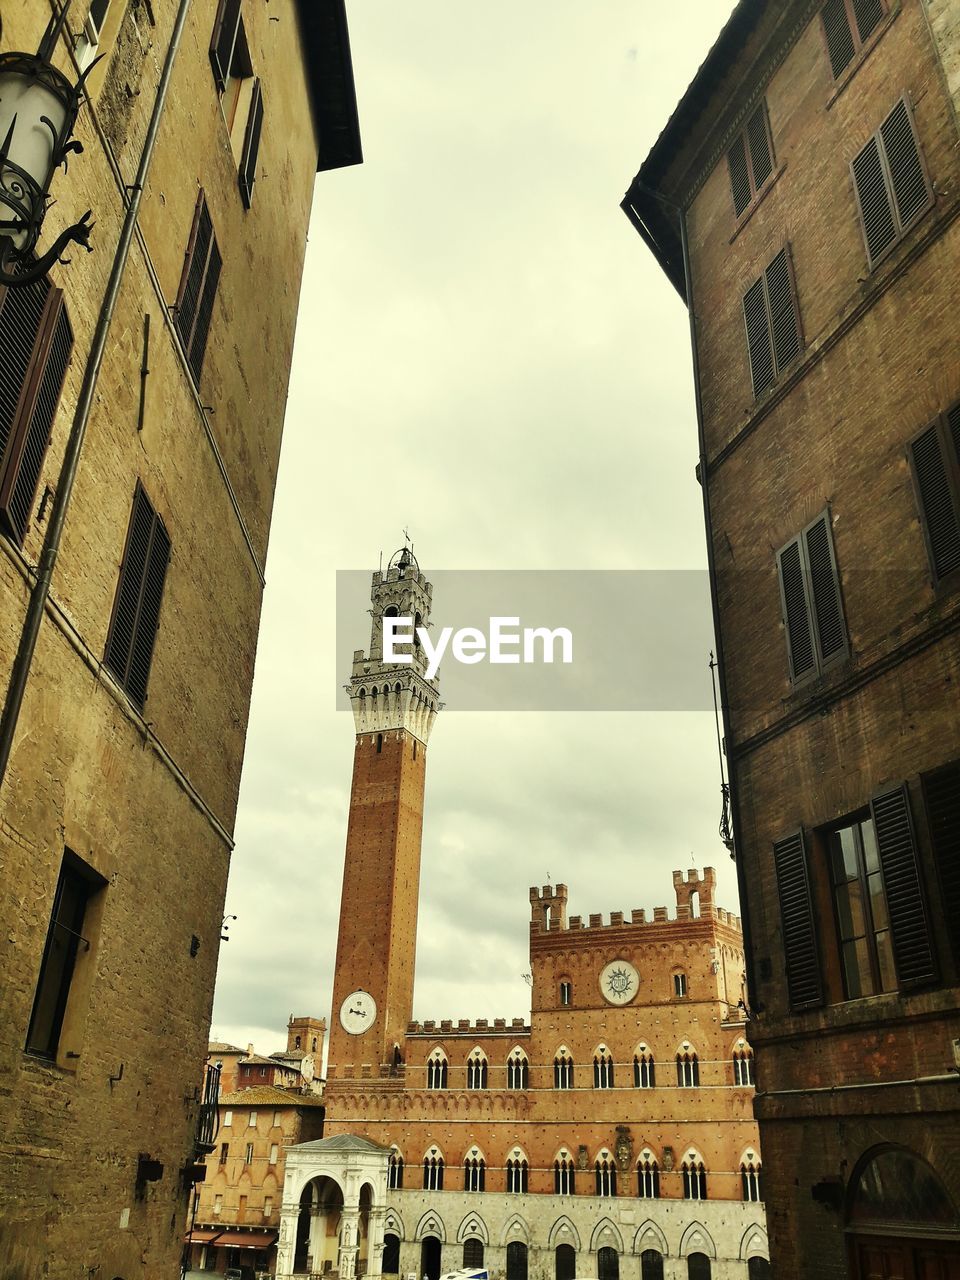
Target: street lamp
[[38, 109]]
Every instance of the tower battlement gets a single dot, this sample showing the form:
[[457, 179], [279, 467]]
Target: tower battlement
[[549, 907]]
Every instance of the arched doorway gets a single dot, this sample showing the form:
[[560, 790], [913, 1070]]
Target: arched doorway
[[391, 1254], [608, 1264], [516, 1260], [430, 1258], [900, 1219], [318, 1226], [363, 1230], [566, 1262]]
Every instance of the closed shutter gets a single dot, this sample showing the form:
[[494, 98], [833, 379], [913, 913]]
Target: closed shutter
[[251, 146], [941, 794], [938, 493], [796, 611], [840, 44], [912, 945], [750, 159], [758, 338], [825, 590], [879, 227], [868, 14], [136, 611], [804, 983], [892, 187], [761, 158], [739, 175], [783, 312], [903, 160], [223, 39], [198, 287], [35, 345]]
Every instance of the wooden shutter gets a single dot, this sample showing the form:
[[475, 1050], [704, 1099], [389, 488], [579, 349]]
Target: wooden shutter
[[941, 794], [937, 491], [902, 151], [35, 344], [251, 146], [758, 337], [136, 610], [840, 44], [198, 287], [797, 921], [824, 590], [784, 325], [891, 182], [739, 175], [879, 227], [868, 15], [796, 611], [912, 945], [758, 139], [223, 40]]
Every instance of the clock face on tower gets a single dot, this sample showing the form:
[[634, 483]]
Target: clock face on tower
[[619, 982], [358, 1012]]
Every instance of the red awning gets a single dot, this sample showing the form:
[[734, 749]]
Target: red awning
[[203, 1235], [228, 1239]]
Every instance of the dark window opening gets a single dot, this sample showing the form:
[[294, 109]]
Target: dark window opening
[[935, 455], [516, 1260], [608, 1264], [565, 1262], [651, 1265], [199, 279], [473, 1253]]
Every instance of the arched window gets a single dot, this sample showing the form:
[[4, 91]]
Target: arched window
[[694, 1178], [518, 1070], [563, 1070], [437, 1070], [751, 1177], [742, 1065], [679, 984], [698, 1267], [390, 1265], [688, 1069], [651, 1265], [517, 1170], [296, 1043], [566, 992], [313, 1045], [395, 1170], [516, 1260], [433, 1171], [648, 1177], [477, 1070], [758, 1268], [564, 1174], [603, 1068], [473, 1252], [608, 1264], [474, 1171], [565, 1265], [606, 1171], [644, 1069]]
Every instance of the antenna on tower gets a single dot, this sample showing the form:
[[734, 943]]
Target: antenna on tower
[[381, 561]]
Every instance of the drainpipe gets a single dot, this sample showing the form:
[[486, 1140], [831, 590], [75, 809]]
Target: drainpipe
[[71, 459]]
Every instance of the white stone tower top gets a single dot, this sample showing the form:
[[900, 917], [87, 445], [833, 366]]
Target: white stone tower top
[[395, 695]]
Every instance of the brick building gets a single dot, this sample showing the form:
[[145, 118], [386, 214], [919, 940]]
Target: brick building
[[120, 789], [803, 199], [610, 1135]]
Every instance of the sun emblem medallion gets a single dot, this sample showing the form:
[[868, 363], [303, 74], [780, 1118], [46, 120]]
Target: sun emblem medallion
[[619, 982]]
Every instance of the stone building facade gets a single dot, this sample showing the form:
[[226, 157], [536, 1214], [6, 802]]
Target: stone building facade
[[611, 1134], [118, 801], [804, 200]]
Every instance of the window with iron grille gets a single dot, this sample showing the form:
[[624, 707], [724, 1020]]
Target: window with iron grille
[[193, 310], [651, 1265], [35, 345], [65, 942], [750, 159], [891, 183], [473, 1252], [772, 323], [847, 25], [935, 455], [608, 1263], [811, 602], [136, 608]]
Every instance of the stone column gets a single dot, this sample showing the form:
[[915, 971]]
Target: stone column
[[316, 1238], [287, 1240], [375, 1234], [349, 1227]]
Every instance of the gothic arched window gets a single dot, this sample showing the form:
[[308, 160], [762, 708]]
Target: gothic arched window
[[517, 1170], [516, 1260], [694, 1178], [473, 1252], [474, 1170], [433, 1171], [688, 1069], [563, 1070], [518, 1070], [603, 1069], [437, 1070], [751, 1177], [648, 1177], [564, 1174], [477, 1070], [651, 1265], [606, 1171], [608, 1263], [566, 992], [395, 1170], [742, 1065], [644, 1068]]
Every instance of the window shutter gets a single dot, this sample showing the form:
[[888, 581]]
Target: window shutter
[[804, 984], [941, 793], [796, 612], [868, 14], [38, 322], [783, 311], [251, 146], [761, 160], [912, 947], [938, 501], [903, 160], [758, 337], [739, 175], [839, 36], [198, 345], [825, 590], [136, 611], [879, 228], [198, 287], [223, 39]]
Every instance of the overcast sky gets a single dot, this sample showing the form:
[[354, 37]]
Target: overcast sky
[[488, 355]]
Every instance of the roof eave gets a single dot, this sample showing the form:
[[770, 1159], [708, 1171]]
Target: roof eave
[[333, 94]]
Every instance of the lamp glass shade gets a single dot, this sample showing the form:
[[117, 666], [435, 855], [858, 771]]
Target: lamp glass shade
[[33, 143]]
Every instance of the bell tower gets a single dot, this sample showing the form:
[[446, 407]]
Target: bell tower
[[394, 707]]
